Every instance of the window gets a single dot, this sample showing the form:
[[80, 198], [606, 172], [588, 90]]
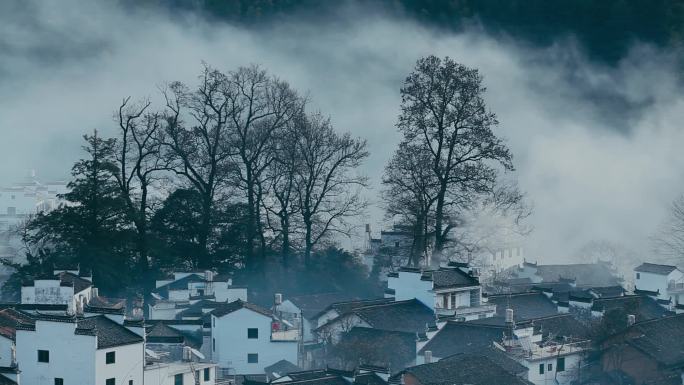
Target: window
[[130, 382], [200, 292], [43, 356], [560, 364], [213, 322], [110, 381], [178, 379], [252, 358], [59, 381], [252, 333], [452, 302], [110, 358], [541, 368], [213, 344], [207, 375], [396, 244], [638, 275], [549, 367]]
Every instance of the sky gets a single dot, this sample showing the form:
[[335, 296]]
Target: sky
[[597, 149]]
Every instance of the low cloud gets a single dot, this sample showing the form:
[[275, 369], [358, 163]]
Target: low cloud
[[597, 149]]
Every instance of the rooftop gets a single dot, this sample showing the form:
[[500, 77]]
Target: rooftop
[[462, 369], [312, 304], [405, 316], [525, 305], [228, 308], [655, 268], [661, 339]]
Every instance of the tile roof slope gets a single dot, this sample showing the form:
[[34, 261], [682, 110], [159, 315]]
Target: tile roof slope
[[452, 277], [525, 305], [405, 316], [282, 368], [644, 307], [584, 274], [368, 379], [6, 381], [347, 306], [462, 337], [107, 303], [163, 331], [197, 309], [462, 369], [109, 333], [10, 319], [236, 305], [312, 304], [74, 280], [562, 325], [655, 268], [661, 339], [381, 347]]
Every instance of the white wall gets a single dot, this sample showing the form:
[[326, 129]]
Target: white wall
[[72, 357], [128, 365], [229, 333], [225, 293], [551, 377], [408, 285], [164, 374], [6, 347]]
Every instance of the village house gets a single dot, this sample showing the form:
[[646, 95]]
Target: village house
[[53, 349], [181, 290], [71, 287], [452, 290], [246, 338], [584, 275], [410, 316], [361, 375], [664, 282], [648, 352]]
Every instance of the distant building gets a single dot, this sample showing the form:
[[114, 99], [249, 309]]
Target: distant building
[[664, 282], [452, 290], [182, 290], [70, 287], [584, 275], [17, 203]]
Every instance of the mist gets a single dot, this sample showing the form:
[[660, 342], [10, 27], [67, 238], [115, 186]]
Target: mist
[[597, 148]]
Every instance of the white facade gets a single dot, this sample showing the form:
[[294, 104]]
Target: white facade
[[233, 349], [73, 357], [544, 371], [166, 373], [668, 286]]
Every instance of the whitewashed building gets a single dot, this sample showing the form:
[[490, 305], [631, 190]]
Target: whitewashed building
[[246, 338], [184, 289], [180, 373], [452, 290], [66, 287], [665, 282], [72, 350]]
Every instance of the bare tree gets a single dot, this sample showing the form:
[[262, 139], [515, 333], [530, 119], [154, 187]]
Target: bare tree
[[444, 112], [328, 189], [138, 155], [259, 108], [281, 176], [410, 192], [669, 241], [199, 150]]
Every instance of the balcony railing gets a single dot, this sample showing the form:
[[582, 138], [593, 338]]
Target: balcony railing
[[536, 352]]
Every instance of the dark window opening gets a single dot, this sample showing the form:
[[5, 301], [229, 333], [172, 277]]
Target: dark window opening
[[110, 358], [252, 358], [252, 333], [43, 356]]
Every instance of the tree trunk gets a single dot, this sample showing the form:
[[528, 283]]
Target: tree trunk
[[285, 231]]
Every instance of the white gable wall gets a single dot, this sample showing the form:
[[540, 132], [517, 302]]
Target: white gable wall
[[231, 345], [408, 285], [72, 357], [128, 364]]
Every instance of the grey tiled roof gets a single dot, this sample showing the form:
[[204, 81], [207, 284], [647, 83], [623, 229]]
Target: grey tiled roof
[[661, 339], [109, 333], [655, 268], [525, 305], [643, 307], [312, 304], [282, 368], [462, 337], [461, 369], [406, 316], [584, 274], [380, 347], [452, 277], [237, 305]]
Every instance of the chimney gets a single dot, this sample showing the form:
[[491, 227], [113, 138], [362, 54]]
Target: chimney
[[209, 276], [187, 353], [509, 316], [94, 292], [428, 356], [278, 299], [631, 319]]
